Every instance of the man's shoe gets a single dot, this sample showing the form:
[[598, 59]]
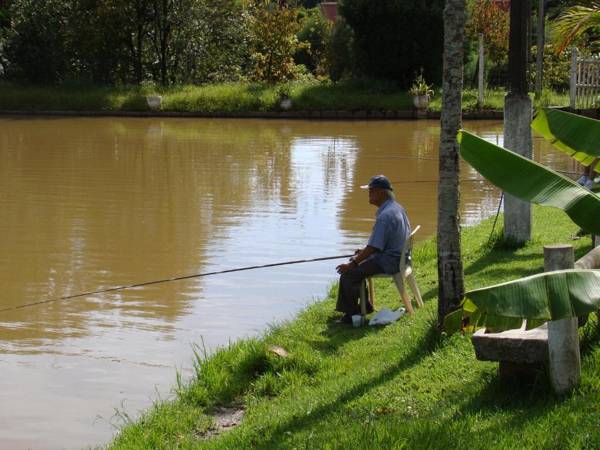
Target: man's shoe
[[346, 318]]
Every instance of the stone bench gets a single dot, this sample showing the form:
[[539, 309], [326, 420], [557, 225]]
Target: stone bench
[[522, 353], [517, 346]]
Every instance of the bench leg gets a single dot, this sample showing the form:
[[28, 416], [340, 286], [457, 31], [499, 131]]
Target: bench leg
[[519, 373]]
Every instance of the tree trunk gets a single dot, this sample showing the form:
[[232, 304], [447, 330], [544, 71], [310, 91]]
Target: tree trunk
[[517, 119], [450, 269], [539, 59], [480, 73]]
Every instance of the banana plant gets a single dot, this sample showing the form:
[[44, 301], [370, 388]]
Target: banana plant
[[542, 297], [530, 181], [577, 136], [538, 298]]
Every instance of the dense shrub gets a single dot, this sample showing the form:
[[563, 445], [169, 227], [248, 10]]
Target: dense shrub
[[314, 33], [125, 41], [395, 38], [274, 41], [36, 46], [339, 51], [556, 68]]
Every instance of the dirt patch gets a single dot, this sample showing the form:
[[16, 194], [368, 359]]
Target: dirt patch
[[226, 418]]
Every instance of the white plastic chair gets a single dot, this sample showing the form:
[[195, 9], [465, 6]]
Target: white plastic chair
[[405, 272]]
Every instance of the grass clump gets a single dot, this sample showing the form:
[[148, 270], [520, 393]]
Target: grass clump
[[401, 386], [493, 99], [228, 98], [232, 98]]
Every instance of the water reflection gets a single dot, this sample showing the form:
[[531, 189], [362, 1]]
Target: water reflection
[[93, 203]]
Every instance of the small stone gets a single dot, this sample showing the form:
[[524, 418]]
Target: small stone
[[279, 351]]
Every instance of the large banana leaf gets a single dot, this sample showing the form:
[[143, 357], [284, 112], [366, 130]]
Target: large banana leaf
[[538, 298], [577, 136], [530, 181]]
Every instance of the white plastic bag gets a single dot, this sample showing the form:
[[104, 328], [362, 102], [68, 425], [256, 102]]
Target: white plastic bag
[[386, 316]]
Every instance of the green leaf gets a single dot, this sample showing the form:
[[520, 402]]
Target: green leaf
[[453, 321], [530, 181], [539, 298], [575, 135]]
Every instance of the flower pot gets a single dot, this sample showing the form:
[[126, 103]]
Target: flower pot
[[421, 101], [154, 101], [285, 104]]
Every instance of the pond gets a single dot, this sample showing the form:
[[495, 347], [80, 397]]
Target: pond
[[91, 203]]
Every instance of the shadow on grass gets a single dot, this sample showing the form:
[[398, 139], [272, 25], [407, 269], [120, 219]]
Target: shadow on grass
[[353, 95], [422, 348], [503, 257], [337, 335]]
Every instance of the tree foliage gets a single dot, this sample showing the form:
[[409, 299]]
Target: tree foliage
[[576, 22], [395, 38], [487, 18], [339, 51], [314, 36], [274, 41], [124, 41]]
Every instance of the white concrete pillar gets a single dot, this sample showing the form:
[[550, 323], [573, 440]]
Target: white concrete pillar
[[564, 361], [517, 137]]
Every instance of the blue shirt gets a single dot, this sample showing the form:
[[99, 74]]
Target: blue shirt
[[390, 232]]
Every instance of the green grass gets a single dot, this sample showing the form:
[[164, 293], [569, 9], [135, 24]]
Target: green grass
[[221, 98], [401, 386], [493, 99], [231, 98]]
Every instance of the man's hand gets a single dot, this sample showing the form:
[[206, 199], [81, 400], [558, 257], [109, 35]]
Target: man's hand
[[342, 268]]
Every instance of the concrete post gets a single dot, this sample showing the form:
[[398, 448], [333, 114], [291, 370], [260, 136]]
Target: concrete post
[[564, 362], [595, 240], [517, 137], [517, 118]]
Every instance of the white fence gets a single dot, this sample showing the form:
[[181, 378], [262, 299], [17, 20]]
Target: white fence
[[585, 82]]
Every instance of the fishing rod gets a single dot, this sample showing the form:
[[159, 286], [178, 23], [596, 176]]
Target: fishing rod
[[166, 280], [434, 181], [467, 179]]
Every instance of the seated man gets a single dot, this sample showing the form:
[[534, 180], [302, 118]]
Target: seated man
[[587, 180], [382, 253]]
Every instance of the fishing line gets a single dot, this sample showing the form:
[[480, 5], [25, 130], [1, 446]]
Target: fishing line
[[165, 280], [434, 181], [496, 219]]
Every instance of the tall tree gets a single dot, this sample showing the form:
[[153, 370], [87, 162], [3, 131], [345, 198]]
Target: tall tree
[[488, 24], [450, 269], [393, 39]]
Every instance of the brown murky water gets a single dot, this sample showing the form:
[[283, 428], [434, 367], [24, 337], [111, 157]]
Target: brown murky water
[[92, 203]]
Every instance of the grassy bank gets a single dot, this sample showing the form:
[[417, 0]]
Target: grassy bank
[[235, 98], [400, 386]]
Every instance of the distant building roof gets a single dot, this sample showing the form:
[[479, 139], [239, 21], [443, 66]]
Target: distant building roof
[[329, 10]]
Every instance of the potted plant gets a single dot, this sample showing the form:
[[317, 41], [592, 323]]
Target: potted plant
[[421, 92], [284, 96], [152, 98]]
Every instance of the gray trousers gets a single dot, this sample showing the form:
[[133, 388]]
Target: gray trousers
[[348, 300]]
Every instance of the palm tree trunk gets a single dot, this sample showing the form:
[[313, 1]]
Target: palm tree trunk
[[450, 269]]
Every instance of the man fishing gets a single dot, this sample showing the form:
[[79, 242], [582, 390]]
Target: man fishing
[[382, 253]]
